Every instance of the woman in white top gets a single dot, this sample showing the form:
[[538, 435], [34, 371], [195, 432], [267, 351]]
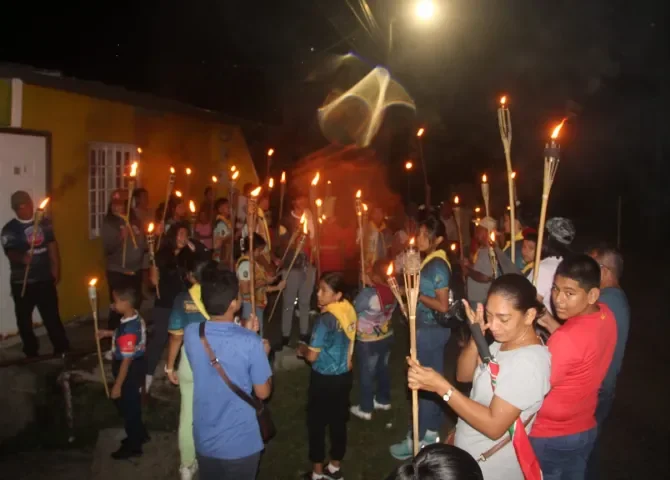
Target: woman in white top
[[560, 232], [521, 384]]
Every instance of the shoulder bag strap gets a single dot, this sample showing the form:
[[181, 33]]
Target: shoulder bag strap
[[222, 373]]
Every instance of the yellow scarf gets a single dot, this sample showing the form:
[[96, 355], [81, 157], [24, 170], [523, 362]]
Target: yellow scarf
[[436, 254], [346, 316], [196, 295], [527, 267], [517, 238]]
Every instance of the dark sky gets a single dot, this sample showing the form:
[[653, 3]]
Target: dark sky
[[602, 63]]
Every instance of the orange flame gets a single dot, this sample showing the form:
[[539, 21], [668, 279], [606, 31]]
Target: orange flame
[[315, 180], [191, 206], [408, 165], [492, 236], [419, 133], [513, 175], [457, 200], [283, 177], [92, 282], [139, 150], [236, 175], [389, 270], [453, 247], [318, 202], [43, 204], [178, 194], [303, 221], [478, 209], [172, 170], [271, 183], [557, 129], [323, 217], [188, 171], [484, 178], [214, 179], [133, 169], [271, 152], [411, 242], [150, 229], [365, 207], [256, 192], [233, 168], [359, 193], [503, 100]]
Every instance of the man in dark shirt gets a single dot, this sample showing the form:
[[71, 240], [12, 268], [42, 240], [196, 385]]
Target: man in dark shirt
[[43, 274]]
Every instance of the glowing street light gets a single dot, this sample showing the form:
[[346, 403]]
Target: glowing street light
[[425, 9]]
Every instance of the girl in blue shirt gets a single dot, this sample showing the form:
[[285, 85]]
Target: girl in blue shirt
[[329, 351]]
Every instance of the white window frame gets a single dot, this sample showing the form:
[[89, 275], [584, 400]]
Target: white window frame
[[108, 168]]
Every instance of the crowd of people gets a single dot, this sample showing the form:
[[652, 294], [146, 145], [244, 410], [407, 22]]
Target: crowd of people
[[536, 404]]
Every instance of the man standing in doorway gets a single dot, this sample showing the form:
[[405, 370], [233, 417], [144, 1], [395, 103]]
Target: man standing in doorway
[[43, 274]]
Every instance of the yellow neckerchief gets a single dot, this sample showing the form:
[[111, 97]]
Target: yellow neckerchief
[[436, 254], [266, 230], [196, 295], [527, 267], [225, 220], [379, 231], [346, 316], [517, 238]]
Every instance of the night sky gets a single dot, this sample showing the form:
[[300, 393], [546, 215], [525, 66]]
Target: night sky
[[602, 63]]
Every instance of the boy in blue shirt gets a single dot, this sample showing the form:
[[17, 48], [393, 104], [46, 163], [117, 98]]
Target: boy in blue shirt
[[128, 368]]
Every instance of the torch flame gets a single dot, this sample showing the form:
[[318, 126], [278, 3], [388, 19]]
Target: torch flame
[[503, 100], [178, 194], [411, 242], [271, 152], [139, 150], [365, 207], [43, 204], [214, 179], [359, 193], [318, 202], [188, 171], [256, 192], [133, 169], [271, 183], [557, 130], [236, 175], [453, 247], [191, 206], [172, 170], [303, 222], [323, 217], [389, 270], [419, 133], [93, 282], [478, 209], [233, 168], [283, 177], [457, 200], [492, 236], [150, 229], [315, 180], [484, 178], [513, 175]]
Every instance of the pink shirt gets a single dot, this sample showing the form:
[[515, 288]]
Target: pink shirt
[[581, 352]]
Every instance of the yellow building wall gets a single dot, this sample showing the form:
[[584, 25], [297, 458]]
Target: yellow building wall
[[166, 140]]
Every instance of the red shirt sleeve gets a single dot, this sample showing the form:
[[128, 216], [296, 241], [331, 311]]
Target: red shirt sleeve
[[126, 344], [564, 355]]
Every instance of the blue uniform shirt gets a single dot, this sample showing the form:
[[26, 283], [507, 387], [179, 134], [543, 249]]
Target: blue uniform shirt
[[184, 312], [225, 426], [332, 343], [435, 276], [130, 338], [616, 300], [17, 235]]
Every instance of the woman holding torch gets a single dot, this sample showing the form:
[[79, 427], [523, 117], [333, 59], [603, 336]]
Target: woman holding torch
[[115, 232], [431, 338]]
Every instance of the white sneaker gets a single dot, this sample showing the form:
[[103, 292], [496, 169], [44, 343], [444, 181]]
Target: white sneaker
[[357, 412], [382, 406], [188, 473]]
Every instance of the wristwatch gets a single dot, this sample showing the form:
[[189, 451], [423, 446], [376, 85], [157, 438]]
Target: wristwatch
[[448, 395]]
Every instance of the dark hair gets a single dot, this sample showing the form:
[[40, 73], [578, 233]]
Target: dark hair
[[379, 267], [219, 202], [611, 257], [126, 293], [433, 226], [139, 191], [336, 281], [219, 289], [207, 190], [259, 242], [517, 289], [439, 462], [582, 269], [530, 235]]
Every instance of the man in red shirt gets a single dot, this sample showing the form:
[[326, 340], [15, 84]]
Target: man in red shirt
[[581, 351]]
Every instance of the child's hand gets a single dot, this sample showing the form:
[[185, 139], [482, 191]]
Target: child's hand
[[116, 392], [301, 351], [281, 285], [105, 334]]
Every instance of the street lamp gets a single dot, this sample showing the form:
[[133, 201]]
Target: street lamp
[[425, 9]]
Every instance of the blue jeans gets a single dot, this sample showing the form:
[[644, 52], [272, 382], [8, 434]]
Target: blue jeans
[[430, 343], [373, 366], [564, 458], [605, 401], [246, 311]]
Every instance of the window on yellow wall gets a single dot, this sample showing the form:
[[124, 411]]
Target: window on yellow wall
[[108, 168]]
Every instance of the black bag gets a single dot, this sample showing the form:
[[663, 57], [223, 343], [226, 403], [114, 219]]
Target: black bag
[[265, 423], [454, 317]]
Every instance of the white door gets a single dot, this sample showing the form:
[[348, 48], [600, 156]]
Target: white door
[[23, 165]]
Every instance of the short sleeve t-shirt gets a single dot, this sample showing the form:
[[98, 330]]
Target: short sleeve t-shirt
[[374, 308], [225, 426], [17, 236], [616, 300], [434, 276], [130, 338], [523, 381], [185, 311], [332, 343], [581, 352], [545, 279]]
